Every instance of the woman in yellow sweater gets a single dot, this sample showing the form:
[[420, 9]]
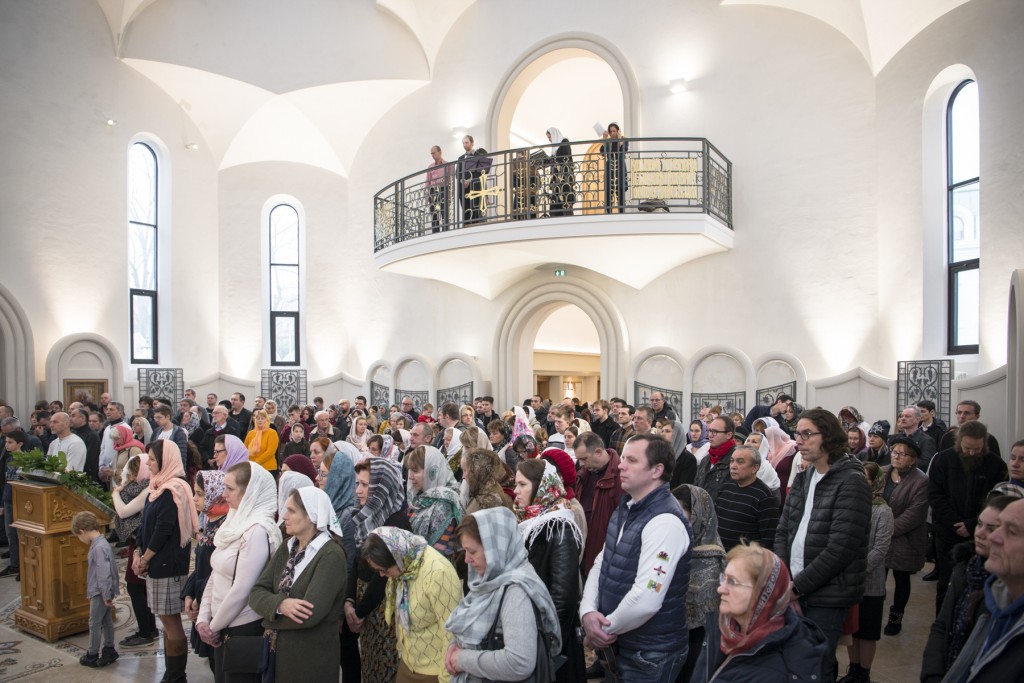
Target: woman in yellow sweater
[[422, 591], [262, 442]]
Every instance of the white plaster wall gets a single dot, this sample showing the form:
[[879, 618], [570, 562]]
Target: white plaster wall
[[63, 187]]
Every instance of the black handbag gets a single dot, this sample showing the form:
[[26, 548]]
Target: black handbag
[[548, 661], [242, 654]]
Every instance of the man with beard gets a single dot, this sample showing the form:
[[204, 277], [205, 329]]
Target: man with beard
[[959, 479]]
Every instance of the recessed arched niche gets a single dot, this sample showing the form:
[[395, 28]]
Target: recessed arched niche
[[720, 378], [412, 379], [775, 377], [455, 383], [380, 386]]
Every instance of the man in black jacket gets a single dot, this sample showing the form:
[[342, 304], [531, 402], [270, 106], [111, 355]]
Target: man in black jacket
[[959, 480], [80, 426], [823, 531]]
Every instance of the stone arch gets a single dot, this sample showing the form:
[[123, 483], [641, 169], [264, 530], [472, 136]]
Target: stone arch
[[84, 356], [17, 355], [414, 372], [740, 378], [538, 58], [530, 305], [765, 377], [379, 373]]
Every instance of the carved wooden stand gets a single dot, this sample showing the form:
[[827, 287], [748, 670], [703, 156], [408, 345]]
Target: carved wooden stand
[[54, 564]]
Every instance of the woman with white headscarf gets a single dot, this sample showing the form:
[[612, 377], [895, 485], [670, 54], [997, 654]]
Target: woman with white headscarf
[[562, 183], [244, 543], [765, 471], [300, 592]]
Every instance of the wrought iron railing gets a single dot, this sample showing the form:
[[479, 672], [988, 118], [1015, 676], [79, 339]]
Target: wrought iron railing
[[687, 175]]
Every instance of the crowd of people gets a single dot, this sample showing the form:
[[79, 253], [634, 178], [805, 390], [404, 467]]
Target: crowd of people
[[465, 544]]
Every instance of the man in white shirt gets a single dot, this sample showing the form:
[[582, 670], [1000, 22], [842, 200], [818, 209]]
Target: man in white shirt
[[634, 603], [67, 442]]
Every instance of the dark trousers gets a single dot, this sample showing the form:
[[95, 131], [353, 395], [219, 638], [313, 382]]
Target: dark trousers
[[11, 533], [901, 596], [830, 621], [692, 654], [351, 667], [944, 566], [143, 615], [472, 209]]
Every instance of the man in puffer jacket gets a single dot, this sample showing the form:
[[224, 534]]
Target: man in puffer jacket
[[823, 531]]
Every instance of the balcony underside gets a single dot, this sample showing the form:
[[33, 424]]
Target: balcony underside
[[487, 258]]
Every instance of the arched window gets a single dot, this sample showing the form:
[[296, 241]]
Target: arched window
[[285, 279], [963, 184], [143, 203]]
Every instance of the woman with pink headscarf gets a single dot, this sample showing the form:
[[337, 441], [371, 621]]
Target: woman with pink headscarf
[[781, 452]]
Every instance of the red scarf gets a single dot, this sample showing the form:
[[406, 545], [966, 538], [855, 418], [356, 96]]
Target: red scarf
[[767, 611], [716, 453]]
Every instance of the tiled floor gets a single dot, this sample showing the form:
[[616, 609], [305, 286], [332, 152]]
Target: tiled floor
[[898, 659]]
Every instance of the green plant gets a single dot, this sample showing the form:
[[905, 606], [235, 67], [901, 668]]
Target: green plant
[[79, 482]]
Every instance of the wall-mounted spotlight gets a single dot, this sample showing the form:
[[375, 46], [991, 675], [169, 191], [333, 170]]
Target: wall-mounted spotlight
[[192, 146], [677, 85]]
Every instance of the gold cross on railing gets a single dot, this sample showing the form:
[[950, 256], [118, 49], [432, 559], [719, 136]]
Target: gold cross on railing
[[484, 192]]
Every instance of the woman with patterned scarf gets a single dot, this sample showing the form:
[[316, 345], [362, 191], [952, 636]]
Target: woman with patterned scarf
[[481, 488], [382, 503], [707, 560], [422, 591], [554, 543], [300, 591], [212, 508], [435, 508], [505, 593], [129, 495], [757, 634]]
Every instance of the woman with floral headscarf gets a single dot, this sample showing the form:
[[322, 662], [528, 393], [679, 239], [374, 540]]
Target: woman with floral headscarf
[[382, 503], [481, 482], [212, 508], [422, 590], [553, 543], [300, 591], [435, 508], [505, 593], [757, 635]]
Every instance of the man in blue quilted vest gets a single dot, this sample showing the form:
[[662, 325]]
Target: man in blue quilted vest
[[634, 603]]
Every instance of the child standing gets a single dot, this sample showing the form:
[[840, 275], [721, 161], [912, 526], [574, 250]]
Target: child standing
[[101, 587]]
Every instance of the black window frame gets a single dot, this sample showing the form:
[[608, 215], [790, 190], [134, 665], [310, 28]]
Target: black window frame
[[277, 315], [955, 268], [150, 293]]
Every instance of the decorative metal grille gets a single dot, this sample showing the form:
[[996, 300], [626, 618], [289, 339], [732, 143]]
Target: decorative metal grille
[[917, 380], [733, 402], [166, 384], [460, 395], [642, 396], [284, 387], [769, 395], [380, 396], [418, 398]]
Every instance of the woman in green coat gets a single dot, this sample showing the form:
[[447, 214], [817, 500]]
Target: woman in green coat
[[301, 590]]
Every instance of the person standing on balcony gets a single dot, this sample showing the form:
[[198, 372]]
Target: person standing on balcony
[[469, 181], [615, 180], [562, 182], [438, 187]]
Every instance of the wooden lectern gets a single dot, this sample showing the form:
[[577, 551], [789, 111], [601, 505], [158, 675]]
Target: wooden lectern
[[54, 563]]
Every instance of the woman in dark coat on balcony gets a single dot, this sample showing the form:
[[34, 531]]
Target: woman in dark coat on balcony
[[616, 183], [562, 183]]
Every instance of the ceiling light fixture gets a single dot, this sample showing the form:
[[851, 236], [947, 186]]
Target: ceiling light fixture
[[459, 132], [677, 85], [111, 123], [192, 146]]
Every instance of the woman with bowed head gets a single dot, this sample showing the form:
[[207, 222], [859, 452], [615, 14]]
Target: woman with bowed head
[[435, 508], [422, 591], [300, 591], [212, 508], [125, 445], [906, 492], [130, 494], [554, 543], [781, 451], [481, 483], [506, 595], [757, 635], [244, 543], [381, 500], [707, 562], [300, 464], [262, 441], [562, 183], [169, 521]]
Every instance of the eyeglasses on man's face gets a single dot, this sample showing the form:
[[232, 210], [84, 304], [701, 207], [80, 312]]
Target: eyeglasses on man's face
[[806, 434]]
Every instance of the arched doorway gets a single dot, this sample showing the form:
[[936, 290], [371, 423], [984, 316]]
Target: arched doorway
[[530, 306], [567, 356], [601, 88]]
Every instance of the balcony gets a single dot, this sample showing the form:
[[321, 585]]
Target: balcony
[[631, 210]]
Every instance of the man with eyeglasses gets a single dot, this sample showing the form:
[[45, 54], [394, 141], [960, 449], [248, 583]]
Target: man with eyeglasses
[[713, 471], [959, 480], [662, 410], [407, 407], [823, 530], [966, 411], [221, 427]]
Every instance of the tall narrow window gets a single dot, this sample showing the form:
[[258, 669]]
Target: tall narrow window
[[142, 252], [963, 225], [284, 285]]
